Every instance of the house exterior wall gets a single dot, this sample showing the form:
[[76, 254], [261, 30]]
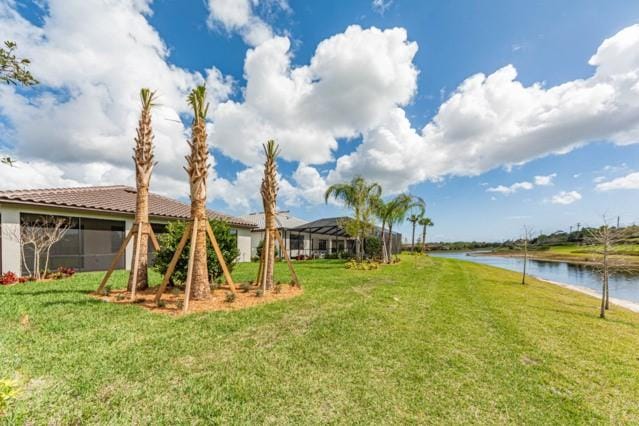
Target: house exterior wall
[[10, 251]]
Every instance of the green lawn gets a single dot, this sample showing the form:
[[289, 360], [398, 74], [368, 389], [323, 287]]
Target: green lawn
[[425, 341]]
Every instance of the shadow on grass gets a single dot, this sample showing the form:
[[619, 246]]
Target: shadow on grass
[[88, 301], [50, 291]]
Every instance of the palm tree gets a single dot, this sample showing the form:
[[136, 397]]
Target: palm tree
[[384, 210], [143, 158], [415, 217], [398, 211], [269, 199], [197, 169], [424, 222], [360, 196]]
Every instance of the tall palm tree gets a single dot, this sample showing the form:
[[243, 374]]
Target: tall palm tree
[[143, 158], [360, 196], [397, 214], [418, 208], [197, 169], [424, 222], [269, 199], [384, 211]]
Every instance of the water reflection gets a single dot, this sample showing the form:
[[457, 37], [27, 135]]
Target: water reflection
[[622, 285]]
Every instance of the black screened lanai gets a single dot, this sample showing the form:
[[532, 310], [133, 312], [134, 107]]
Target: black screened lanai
[[327, 235]]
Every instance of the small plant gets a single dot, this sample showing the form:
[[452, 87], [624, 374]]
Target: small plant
[[8, 393], [179, 304], [120, 297], [278, 288], [139, 300], [161, 304], [106, 291], [8, 278], [215, 285], [259, 292], [229, 297], [245, 287]]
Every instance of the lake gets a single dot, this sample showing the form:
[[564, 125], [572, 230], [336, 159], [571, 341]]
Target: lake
[[622, 286]]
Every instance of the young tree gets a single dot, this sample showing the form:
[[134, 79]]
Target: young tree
[[143, 158], [605, 238], [197, 169], [13, 70], [424, 222], [41, 235], [524, 242], [360, 196]]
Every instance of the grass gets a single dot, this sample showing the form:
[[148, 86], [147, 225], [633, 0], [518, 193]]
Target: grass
[[425, 341]]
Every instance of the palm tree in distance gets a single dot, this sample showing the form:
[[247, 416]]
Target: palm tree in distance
[[361, 196], [388, 212], [417, 208], [424, 222], [401, 205]]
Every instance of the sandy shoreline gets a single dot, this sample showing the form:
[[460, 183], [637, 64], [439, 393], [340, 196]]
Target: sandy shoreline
[[619, 302]]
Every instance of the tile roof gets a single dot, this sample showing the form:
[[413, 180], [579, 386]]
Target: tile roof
[[113, 199], [284, 220]]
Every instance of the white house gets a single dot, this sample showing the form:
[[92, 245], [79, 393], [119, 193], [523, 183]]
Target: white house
[[101, 216]]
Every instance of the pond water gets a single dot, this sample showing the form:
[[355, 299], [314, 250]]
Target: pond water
[[622, 286]]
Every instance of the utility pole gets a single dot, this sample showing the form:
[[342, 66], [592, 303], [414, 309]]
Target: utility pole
[[617, 222], [570, 232], [578, 226]]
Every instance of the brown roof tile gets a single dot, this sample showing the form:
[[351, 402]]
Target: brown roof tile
[[119, 198]]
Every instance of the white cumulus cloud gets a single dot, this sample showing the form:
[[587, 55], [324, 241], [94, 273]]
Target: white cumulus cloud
[[630, 181], [507, 190], [565, 197], [545, 180]]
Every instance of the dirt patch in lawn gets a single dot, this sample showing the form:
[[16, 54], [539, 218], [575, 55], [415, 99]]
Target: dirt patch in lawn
[[172, 301]]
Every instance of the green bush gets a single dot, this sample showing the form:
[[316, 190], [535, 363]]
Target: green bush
[[170, 240], [373, 247], [260, 246]]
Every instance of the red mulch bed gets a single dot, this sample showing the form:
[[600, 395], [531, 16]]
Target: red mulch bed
[[174, 298]]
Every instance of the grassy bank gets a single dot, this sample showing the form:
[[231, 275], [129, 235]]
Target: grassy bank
[[626, 255], [428, 340]]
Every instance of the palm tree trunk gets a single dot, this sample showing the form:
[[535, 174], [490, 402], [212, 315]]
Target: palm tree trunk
[[412, 247], [424, 239], [384, 252], [390, 242], [141, 217]]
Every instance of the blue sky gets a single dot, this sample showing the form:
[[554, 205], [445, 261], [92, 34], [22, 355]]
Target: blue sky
[[547, 42]]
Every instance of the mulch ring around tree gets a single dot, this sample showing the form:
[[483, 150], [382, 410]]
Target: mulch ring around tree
[[173, 299]]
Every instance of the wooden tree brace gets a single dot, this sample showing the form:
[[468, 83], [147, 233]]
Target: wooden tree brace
[[176, 257], [220, 258], [189, 271], [136, 254], [117, 257], [154, 239], [287, 257]]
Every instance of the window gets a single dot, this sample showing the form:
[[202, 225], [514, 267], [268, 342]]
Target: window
[[322, 244], [88, 245], [297, 242]]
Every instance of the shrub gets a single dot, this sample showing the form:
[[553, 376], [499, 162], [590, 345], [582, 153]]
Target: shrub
[[161, 304], [179, 304], [245, 287], [229, 297], [361, 266], [120, 297], [8, 278], [259, 292], [8, 393], [278, 288], [260, 246], [373, 247], [106, 291], [170, 240]]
